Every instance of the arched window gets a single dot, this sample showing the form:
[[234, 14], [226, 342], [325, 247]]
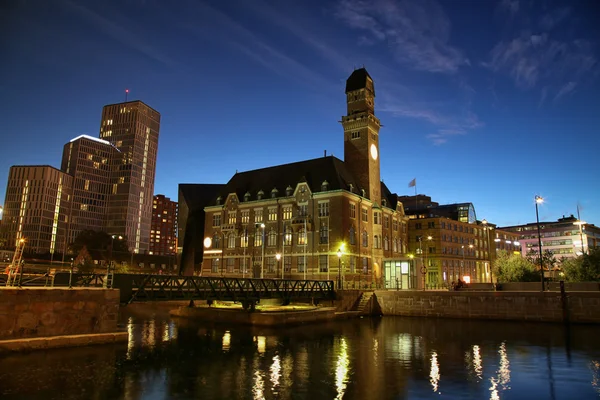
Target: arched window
[[244, 239], [386, 243], [365, 239], [395, 245], [287, 240], [272, 240], [301, 236], [258, 238], [216, 241], [231, 241], [352, 236], [376, 242]]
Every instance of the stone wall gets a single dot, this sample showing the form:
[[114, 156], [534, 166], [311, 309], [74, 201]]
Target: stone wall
[[581, 307], [36, 312]]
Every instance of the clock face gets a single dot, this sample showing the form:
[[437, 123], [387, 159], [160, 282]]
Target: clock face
[[374, 152]]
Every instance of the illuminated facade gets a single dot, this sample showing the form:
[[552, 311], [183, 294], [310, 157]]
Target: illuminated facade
[[290, 220], [163, 230], [35, 208], [563, 237], [133, 128]]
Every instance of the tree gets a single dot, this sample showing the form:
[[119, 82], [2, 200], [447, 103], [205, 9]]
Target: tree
[[514, 268], [98, 243], [585, 268], [548, 259], [84, 262]]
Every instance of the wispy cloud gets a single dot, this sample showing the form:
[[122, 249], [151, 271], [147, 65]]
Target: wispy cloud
[[510, 6], [417, 33], [120, 33], [553, 18], [565, 89]]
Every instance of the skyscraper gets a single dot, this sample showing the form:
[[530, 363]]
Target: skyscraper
[[133, 128], [88, 160], [163, 232]]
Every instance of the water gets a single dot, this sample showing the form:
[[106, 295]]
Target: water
[[379, 358]]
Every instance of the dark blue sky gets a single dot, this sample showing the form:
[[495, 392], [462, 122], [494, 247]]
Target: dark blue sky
[[490, 102]]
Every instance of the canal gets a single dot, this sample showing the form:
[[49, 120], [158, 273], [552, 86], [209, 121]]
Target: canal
[[368, 358]]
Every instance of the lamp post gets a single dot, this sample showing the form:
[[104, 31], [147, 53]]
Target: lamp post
[[278, 257], [262, 260], [539, 200], [339, 254], [489, 248], [110, 257]]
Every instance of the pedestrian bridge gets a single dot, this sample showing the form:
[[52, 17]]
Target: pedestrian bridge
[[140, 288]]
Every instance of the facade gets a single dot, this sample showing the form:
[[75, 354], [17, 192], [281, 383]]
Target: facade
[[292, 221], [563, 237], [451, 243], [133, 128], [163, 230], [35, 208], [88, 160]]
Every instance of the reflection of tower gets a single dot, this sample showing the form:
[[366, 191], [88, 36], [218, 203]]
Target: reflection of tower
[[361, 134]]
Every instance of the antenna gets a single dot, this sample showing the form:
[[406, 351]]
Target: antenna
[[126, 93]]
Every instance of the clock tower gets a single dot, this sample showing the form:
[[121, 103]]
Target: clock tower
[[361, 134]]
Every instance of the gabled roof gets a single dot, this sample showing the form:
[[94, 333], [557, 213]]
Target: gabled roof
[[357, 80]]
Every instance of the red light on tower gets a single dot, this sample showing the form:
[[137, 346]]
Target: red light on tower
[[126, 93]]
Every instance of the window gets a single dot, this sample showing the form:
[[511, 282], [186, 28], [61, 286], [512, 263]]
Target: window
[[355, 135], [216, 220], [386, 243], [244, 265], [230, 264], [395, 245], [287, 263], [287, 238], [216, 241], [365, 239], [214, 266], [303, 210], [377, 218], [352, 210], [300, 262], [352, 261], [244, 239], [232, 217], [431, 224], [231, 241], [287, 212], [323, 259], [365, 215], [418, 225], [258, 215], [324, 209], [365, 265], [376, 241], [271, 264], [301, 236], [258, 238], [245, 216], [386, 221], [272, 214], [324, 234], [272, 238], [395, 225]]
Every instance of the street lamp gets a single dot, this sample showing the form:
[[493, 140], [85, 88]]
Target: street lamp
[[489, 248], [424, 271], [110, 257], [278, 257], [339, 254], [262, 261], [539, 200]]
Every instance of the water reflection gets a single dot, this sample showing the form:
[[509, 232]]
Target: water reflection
[[258, 390], [261, 343], [226, 341], [595, 367], [503, 378], [477, 365], [434, 373], [275, 373], [341, 370]]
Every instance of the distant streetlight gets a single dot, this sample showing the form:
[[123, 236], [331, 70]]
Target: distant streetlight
[[110, 257], [339, 254], [539, 200]]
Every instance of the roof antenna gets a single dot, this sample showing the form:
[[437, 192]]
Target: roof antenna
[[126, 93]]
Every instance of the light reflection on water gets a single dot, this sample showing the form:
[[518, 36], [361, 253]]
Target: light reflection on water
[[357, 359]]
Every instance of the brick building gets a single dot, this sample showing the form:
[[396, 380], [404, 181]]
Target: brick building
[[163, 229]]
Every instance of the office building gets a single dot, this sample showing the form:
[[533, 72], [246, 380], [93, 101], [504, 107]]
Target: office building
[[163, 230]]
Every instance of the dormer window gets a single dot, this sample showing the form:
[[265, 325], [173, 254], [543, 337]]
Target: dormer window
[[247, 196], [219, 200], [274, 193], [324, 186], [289, 191], [260, 195]]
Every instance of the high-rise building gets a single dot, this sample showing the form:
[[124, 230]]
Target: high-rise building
[[133, 128], [88, 160], [35, 208], [163, 231]]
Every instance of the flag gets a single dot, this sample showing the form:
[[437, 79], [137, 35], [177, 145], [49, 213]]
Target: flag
[[412, 183]]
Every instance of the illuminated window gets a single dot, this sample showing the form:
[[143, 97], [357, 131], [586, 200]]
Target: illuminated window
[[301, 236], [232, 216], [89, 156], [324, 209], [287, 240], [245, 216], [272, 214], [121, 179], [258, 236], [287, 212], [272, 239], [231, 240], [258, 215], [86, 184], [84, 207]]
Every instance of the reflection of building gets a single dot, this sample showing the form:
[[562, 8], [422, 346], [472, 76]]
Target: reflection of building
[[35, 208], [163, 231], [306, 211], [562, 237], [88, 160], [132, 127]]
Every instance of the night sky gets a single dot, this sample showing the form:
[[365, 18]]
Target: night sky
[[489, 102]]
